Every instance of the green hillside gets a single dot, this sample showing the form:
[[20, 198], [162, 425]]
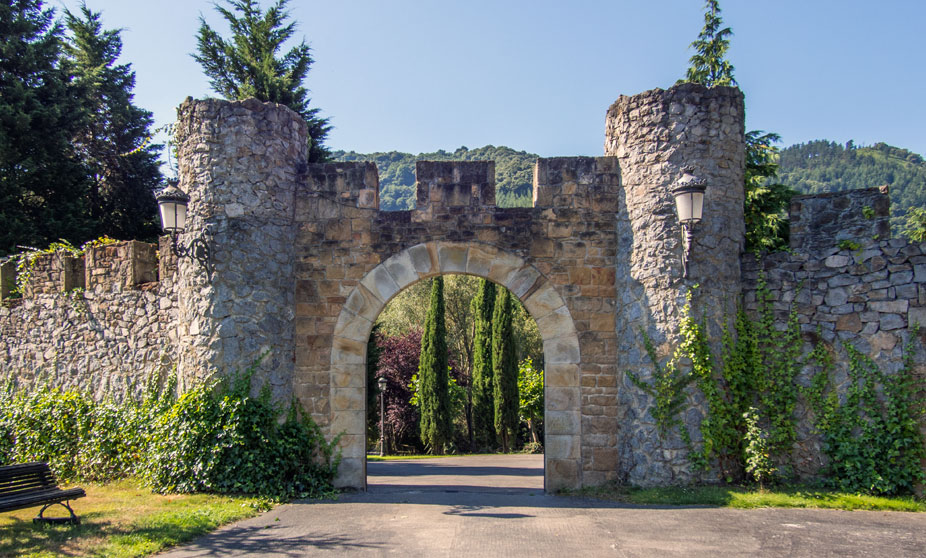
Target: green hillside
[[824, 166], [514, 173], [810, 168]]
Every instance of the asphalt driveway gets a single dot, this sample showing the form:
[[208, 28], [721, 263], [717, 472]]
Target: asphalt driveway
[[495, 506]]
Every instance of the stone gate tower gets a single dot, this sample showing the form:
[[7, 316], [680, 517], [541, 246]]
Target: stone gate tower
[[305, 261]]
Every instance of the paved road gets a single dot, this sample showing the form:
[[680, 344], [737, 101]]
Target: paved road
[[495, 506]]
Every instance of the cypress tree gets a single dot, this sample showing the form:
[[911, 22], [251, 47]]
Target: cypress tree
[[433, 388], [505, 367], [483, 373]]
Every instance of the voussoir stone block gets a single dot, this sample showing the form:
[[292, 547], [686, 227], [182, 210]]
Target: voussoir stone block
[[452, 258]]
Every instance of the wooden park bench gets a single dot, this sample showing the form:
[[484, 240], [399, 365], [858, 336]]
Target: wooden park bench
[[32, 484]]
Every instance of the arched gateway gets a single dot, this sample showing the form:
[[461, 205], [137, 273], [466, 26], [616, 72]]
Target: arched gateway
[[304, 261], [560, 344]]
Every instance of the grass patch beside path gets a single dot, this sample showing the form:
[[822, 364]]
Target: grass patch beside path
[[122, 519], [736, 497]]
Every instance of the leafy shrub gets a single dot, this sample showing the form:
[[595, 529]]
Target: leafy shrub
[[215, 437]]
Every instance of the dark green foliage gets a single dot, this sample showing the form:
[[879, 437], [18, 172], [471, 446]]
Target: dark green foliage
[[215, 437], [42, 184], [121, 166], [483, 372], [823, 166], [373, 352], [248, 64], [709, 65], [434, 392], [766, 205], [872, 436], [505, 372], [224, 440], [915, 226], [514, 173]]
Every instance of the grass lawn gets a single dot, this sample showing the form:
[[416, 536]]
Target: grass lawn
[[121, 519], [736, 497]]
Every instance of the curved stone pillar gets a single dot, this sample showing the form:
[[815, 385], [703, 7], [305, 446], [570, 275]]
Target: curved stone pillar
[[653, 135], [239, 161]]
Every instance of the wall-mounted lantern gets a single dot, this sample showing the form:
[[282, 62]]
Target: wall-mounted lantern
[[689, 201], [172, 202]]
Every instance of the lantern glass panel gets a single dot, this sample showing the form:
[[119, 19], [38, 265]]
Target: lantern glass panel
[[173, 216], [697, 206], [683, 203]]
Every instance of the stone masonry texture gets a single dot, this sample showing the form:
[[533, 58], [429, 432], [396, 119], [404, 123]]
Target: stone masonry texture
[[304, 262]]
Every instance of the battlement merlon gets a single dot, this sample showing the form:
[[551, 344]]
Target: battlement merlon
[[110, 267], [452, 186], [353, 183], [821, 221], [588, 183]]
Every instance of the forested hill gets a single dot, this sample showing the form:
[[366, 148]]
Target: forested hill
[[824, 166], [514, 173]]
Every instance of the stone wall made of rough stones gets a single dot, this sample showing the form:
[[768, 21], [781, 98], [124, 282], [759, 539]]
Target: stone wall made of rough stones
[[240, 162], [109, 339], [868, 297], [819, 222], [654, 135]]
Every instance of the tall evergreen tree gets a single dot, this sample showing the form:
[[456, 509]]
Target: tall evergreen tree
[[123, 170], [433, 390], [483, 373], [709, 65], [766, 203], [42, 186], [248, 64], [505, 368]]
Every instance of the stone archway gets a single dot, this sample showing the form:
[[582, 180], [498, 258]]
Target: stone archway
[[562, 457]]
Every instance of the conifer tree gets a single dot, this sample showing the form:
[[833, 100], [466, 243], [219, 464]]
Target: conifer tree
[[433, 388], [709, 65], [766, 203], [122, 168], [483, 373], [248, 64], [42, 184], [505, 367]]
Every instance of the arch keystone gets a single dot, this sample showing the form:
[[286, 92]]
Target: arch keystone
[[452, 257]]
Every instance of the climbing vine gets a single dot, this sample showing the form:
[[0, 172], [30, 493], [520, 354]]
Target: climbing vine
[[752, 391], [871, 435]]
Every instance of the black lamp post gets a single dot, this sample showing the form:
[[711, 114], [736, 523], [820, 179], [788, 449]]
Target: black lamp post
[[382, 416], [172, 202], [689, 201]]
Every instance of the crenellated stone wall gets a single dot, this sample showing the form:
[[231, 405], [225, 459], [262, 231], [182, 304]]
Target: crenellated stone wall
[[109, 338], [304, 261], [848, 285]]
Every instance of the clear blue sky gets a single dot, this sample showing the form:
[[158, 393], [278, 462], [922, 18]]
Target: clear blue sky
[[539, 75]]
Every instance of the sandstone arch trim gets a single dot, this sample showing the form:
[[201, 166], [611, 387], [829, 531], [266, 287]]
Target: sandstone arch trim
[[562, 459]]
